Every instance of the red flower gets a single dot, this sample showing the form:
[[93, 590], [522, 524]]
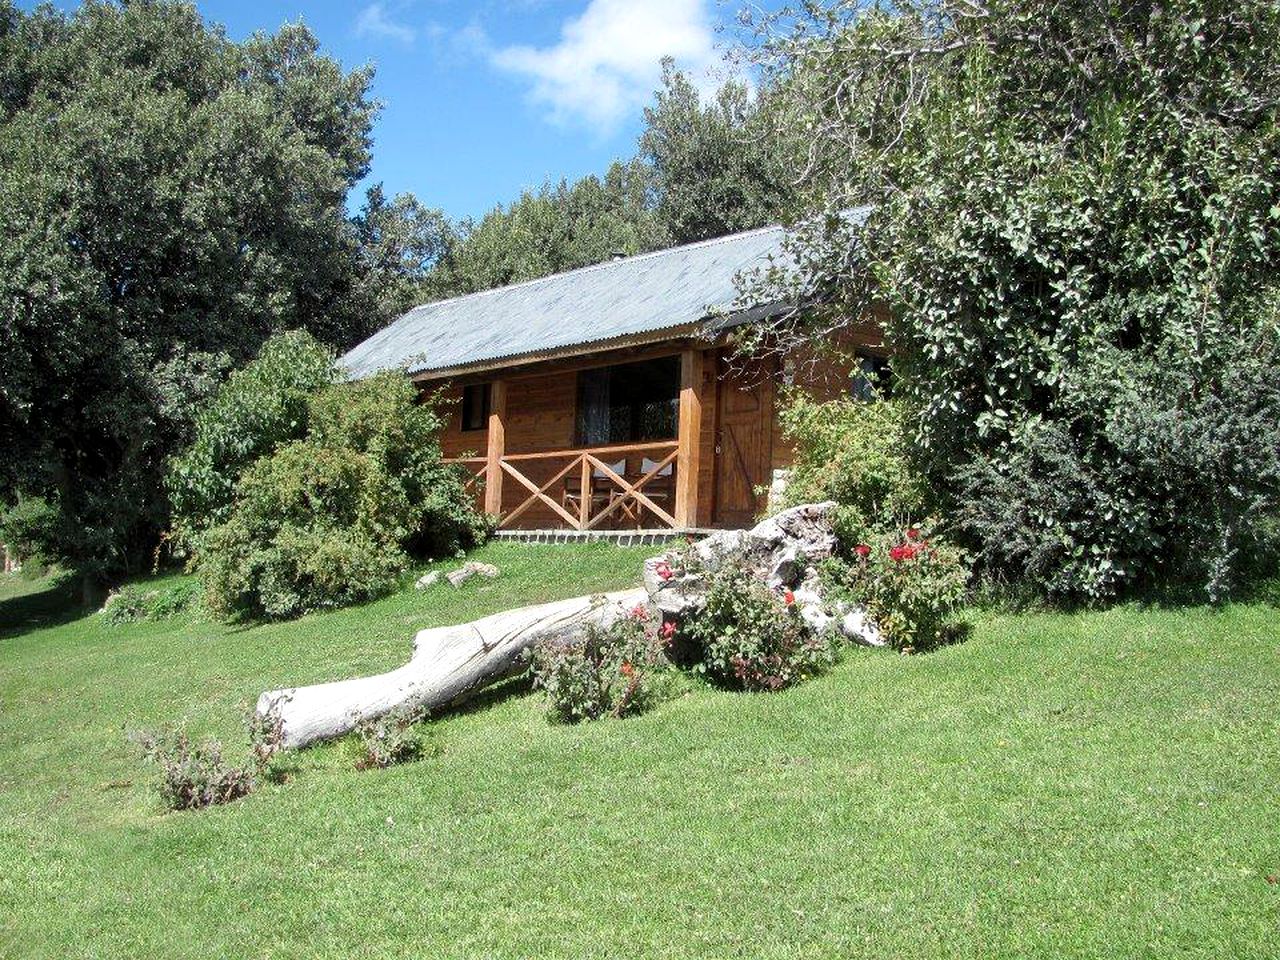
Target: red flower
[[639, 613], [627, 668], [901, 552], [789, 597], [913, 533], [663, 570], [862, 550], [668, 630]]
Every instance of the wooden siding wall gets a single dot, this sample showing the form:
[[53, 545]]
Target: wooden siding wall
[[824, 375]]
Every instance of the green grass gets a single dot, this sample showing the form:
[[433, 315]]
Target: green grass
[[1088, 785]]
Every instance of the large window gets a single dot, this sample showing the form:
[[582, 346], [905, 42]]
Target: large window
[[629, 403]]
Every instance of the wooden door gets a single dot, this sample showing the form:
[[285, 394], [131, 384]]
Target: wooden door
[[744, 440]]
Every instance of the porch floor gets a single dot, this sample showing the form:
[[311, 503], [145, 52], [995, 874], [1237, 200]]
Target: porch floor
[[624, 538]]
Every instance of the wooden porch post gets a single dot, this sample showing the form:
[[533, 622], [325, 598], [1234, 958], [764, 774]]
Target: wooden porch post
[[497, 447], [690, 430]]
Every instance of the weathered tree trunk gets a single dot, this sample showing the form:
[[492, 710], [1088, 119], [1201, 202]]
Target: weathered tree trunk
[[448, 665]]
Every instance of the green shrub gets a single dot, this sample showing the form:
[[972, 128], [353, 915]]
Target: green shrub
[[753, 638], [262, 405], [195, 774], [28, 527], [136, 602], [306, 533], [385, 741], [853, 452], [1175, 490], [598, 672], [192, 775], [334, 519], [911, 586]]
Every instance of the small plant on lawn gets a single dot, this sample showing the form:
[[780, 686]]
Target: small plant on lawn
[[192, 775], [603, 671], [395, 737], [195, 774], [752, 637], [911, 585]]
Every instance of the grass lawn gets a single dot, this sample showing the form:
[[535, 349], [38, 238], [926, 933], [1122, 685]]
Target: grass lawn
[[1092, 785]]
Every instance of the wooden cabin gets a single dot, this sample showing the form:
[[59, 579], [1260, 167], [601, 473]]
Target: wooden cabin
[[611, 397]]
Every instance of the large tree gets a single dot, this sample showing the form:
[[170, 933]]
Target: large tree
[[558, 227], [1077, 225], [718, 165], [170, 198]]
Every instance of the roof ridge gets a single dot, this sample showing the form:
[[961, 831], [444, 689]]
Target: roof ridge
[[711, 241]]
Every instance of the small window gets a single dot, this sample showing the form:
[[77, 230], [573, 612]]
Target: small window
[[475, 406], [871, 378]]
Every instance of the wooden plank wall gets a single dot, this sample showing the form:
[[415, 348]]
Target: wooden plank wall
[[824, 374]]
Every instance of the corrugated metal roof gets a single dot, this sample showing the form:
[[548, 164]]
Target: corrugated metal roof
[[619, 298]]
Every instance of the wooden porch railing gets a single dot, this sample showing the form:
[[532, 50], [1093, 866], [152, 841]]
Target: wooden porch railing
[[601, 492]]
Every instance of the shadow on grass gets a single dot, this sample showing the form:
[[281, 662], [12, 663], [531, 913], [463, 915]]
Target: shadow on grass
[[57, 603], [515, 686]]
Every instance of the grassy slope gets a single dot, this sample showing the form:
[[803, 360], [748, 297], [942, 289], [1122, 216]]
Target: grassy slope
[[1090, 785]]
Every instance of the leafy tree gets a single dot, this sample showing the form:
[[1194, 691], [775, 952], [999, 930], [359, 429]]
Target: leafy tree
[[170, 198], [556, 228], [1076, 225], [718, 167], [261, 406], [333, 518]]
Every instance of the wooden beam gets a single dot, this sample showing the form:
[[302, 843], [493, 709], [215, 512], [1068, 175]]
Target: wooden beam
[[690, 430], [497, 447]]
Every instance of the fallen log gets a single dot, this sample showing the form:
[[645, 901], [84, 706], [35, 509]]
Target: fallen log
[[449, 664]]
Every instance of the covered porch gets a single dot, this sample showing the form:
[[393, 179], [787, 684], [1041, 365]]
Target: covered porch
[[549, 460]]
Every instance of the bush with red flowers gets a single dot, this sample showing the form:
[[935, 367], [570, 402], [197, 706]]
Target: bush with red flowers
[[912, 585], [753, 638], [609, 671]]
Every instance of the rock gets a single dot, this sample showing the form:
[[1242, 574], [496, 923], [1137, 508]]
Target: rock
[[855, 625], [471, 569], [428, 580], [782, 551]]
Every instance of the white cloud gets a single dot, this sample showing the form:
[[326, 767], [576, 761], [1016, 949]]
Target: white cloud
[[374, 21], [607, 62]]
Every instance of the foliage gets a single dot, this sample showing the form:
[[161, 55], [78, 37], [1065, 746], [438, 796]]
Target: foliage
[[853, 452], [752, 637], [333, 519], [1181, 491], [195, 774], [602, 671], [26, 527], [137, 602], [261, 406], [559, 227], [389, 739], [1074, 205], [717, 168], [170, 199], [911, 585], [192, 775]]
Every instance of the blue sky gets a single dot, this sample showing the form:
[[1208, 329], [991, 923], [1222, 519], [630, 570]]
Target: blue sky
[[483, 99]]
